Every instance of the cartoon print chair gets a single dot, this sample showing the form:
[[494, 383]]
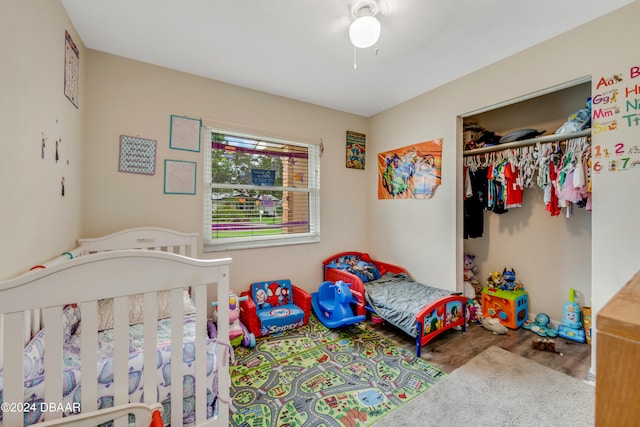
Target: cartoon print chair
[[274, 306]]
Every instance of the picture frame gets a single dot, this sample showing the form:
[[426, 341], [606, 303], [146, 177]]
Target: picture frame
[[185, 133], [180, 177], [356, 150], [71, 69], [137, 155]]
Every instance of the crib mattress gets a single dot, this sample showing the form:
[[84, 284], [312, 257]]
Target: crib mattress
[[398, 299]]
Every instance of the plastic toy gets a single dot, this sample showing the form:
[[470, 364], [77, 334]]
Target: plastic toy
[[494, 326], [470, 271], [238, 333], [332, 304], [511, 307], [571, 327], [541, 325]]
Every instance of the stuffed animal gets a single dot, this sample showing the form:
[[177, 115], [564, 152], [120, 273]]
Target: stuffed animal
[[470, 271], [492, 324], [474, 312], [541, 325], [495, 280], [509, 281]]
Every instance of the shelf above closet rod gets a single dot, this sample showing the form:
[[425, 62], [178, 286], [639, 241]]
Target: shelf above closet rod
[[526, 142]]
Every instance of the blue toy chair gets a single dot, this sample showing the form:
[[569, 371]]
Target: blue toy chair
[[332, 304]]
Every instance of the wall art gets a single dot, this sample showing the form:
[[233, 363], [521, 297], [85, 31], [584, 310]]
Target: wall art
[[355, 150], [411, 172], [185, 133], [71, 69], [137, 155], [179, 177]]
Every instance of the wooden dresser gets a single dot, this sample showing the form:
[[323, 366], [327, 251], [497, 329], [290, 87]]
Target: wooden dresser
[[618, 358]]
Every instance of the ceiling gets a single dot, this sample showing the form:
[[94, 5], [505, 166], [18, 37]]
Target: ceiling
[[300, 49]]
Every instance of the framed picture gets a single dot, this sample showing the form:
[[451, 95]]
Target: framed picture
[[185, 133], [355, 150], [137, 155], [179, 177], [71, 69]]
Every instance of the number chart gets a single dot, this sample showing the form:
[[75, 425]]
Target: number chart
[[616, 121]]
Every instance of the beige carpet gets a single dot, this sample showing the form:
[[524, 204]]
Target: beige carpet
[[499, 388]]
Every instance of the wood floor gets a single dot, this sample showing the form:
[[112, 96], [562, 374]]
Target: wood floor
[[452, 348]]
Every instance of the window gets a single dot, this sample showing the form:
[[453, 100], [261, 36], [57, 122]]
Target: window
[[259, 191]]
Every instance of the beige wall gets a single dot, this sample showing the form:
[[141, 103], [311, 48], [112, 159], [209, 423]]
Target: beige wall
[[36, 222], [132, 98], [429, 247]]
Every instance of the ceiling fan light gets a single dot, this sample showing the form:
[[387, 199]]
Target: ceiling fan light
[[364, 31]]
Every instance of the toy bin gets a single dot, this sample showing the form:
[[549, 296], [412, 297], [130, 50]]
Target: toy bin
[[510, 307]]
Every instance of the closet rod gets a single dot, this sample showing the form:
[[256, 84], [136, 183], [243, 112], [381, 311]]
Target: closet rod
[[526, 142]]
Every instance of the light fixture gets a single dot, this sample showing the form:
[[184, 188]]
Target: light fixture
[[365, 30]]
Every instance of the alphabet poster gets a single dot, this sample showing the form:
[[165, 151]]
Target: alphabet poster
[[615, 118], [411, 172]]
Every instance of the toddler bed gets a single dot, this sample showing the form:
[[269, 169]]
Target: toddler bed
[[104, 312], [390, 292]]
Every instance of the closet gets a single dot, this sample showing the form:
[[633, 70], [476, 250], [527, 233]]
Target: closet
[[550, 254]]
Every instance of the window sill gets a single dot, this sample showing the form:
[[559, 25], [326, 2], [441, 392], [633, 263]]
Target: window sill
[[301, 240]]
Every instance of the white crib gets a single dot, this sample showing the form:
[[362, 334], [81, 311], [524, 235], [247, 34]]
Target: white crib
[[138, 261]]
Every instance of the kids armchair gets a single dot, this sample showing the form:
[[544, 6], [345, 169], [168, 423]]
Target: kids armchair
[[274, 306]]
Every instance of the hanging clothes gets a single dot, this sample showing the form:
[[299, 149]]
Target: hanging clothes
[[475, 203], [513, 184], [563, 174]]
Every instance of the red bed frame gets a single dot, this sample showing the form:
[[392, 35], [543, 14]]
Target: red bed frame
[[425, 332]]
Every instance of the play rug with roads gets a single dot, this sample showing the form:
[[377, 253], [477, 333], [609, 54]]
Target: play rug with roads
[[314, 376]]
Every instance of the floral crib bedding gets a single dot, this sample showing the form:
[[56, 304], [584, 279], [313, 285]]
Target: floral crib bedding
[[34, 370]]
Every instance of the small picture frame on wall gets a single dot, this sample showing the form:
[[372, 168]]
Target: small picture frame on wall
[[185, 133], [179, 177], [71, 69], [137, 155], [356, 148]]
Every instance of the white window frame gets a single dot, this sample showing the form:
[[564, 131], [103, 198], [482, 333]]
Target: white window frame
[[313, 236]]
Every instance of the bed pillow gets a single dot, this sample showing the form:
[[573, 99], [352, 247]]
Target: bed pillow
[[366, 271], [136, 309]]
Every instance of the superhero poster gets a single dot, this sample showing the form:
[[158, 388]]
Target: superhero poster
[[411, 172]]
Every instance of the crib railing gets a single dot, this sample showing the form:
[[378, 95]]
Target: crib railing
[[133, 272]]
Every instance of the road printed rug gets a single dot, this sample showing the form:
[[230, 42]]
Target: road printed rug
[[315, 376]]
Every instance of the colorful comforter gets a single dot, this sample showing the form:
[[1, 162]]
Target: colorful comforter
[[397, 298], [34, 370]]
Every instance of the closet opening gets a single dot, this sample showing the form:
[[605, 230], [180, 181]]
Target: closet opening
[[547, 245]]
